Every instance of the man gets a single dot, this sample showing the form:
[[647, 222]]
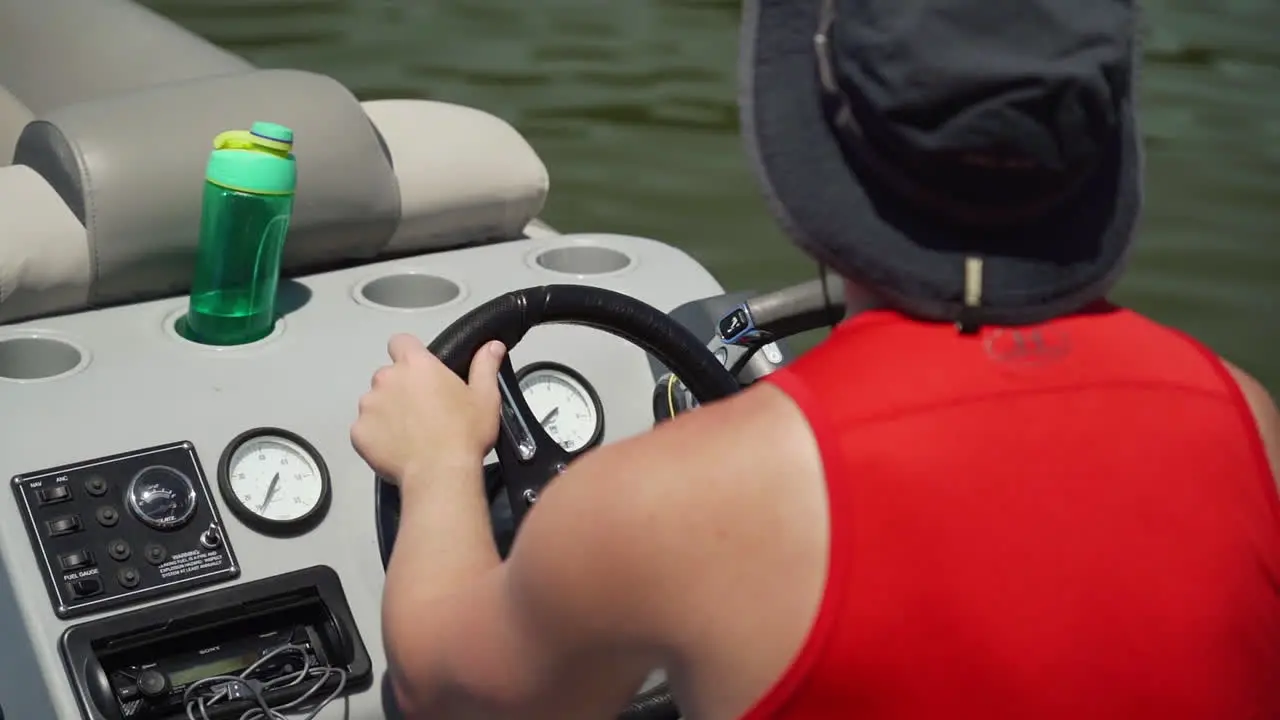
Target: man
[[995, 497]]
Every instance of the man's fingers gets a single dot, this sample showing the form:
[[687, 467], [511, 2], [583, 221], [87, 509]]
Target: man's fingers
[[483, 377], [402, 347]]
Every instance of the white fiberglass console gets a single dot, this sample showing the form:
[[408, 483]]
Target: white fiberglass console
[[144, 466], [179, 513]]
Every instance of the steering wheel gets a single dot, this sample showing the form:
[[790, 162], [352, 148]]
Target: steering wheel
[[528, 459]]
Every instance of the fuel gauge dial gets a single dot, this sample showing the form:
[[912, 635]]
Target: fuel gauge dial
[[161, 497]]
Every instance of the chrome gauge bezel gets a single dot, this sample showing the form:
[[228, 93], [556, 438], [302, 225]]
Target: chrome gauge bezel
[[251, 518], [171, 523], [576, 378]]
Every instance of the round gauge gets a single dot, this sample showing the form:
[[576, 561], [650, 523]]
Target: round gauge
[[274, 481], [564, 403], [161, 497]]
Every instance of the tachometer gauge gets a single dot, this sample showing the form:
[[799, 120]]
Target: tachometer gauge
[[274, 482], [564, 403]]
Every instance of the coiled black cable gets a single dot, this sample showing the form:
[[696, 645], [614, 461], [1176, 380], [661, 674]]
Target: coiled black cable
[[219, 689]]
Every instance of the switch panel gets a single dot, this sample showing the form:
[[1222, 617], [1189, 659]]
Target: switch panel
[[123, 529]]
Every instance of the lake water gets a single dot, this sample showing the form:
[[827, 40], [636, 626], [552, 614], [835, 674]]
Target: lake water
[[631, 103]]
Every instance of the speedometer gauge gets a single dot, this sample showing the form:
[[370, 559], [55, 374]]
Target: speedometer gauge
[[274, 481], [564, 403]]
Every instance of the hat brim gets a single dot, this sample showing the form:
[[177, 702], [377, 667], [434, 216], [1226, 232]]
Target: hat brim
[[1053, 266]]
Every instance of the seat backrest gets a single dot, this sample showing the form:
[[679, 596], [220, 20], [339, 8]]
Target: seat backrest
[[13, 117], [128, 171], [464, 175], [131, 168], [59, 52], [44, 258]]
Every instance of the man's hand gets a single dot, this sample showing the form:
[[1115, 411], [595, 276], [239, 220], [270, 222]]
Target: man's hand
[[419, 413]]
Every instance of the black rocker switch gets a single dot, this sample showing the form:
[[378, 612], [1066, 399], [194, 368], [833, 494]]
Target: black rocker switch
[[64, 525], [55, 494], [75, 560], [84, 587]]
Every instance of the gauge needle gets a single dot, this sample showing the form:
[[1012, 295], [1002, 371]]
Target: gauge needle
[[271, 492], [550, 416]]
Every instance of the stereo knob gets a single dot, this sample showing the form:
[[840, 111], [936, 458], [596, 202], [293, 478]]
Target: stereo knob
[[152, 683]]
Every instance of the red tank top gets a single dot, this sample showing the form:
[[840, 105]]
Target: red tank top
[[1071, 521]]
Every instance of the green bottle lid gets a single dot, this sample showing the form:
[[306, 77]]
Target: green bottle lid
[[258, 161]]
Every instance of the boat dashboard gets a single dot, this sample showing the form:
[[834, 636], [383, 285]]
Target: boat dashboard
[[180, 512]]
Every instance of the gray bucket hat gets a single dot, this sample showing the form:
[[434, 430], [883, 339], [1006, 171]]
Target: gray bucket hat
[[971, 161]]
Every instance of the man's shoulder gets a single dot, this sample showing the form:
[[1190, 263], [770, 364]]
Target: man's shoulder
[[665, 509], [697, 463], [731, 445], [1263, 408]]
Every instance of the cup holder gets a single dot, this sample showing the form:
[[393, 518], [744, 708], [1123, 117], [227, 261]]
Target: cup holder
[[583, 260], [33, 358], [175, 326], [407, 291]]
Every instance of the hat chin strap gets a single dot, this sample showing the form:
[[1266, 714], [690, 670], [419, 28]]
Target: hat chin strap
[[859, 299], [972, 296]]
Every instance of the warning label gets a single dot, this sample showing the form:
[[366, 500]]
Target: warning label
[[190, 563]]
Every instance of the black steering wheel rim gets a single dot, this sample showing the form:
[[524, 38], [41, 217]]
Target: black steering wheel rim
[[509, 318]]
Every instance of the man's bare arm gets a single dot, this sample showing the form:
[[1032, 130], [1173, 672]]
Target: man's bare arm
[[568, 626], [468, 637], [707, 530]]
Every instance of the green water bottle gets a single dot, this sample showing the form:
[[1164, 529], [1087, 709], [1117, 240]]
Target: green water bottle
[[248, 199]]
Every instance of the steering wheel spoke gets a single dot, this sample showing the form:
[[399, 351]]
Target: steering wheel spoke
[[528, 456]]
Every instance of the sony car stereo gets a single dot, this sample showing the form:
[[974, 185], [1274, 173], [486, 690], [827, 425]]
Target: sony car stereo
[[275, 643], [268, 654]]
